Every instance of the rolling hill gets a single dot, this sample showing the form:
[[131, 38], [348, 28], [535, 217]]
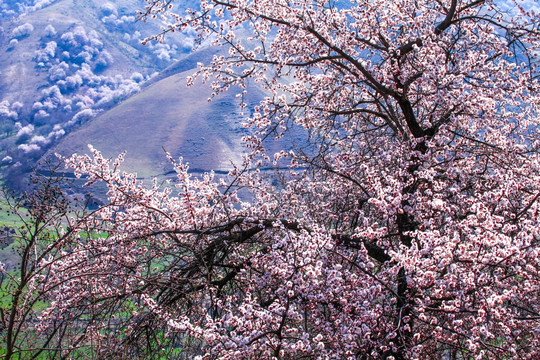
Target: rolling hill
[[166, 115], [63, 63], [75, 73]]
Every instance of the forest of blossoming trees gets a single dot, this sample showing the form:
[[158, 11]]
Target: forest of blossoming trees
[[407, 226]]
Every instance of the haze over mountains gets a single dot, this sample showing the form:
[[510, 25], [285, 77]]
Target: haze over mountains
[[74, 72]]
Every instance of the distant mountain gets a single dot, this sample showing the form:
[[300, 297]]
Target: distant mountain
[[74, 72], [63, 63], [167, 115]]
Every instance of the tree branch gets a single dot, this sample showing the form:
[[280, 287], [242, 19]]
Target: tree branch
[[443, 25]]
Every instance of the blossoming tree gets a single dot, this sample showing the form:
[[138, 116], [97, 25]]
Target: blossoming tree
[[408, 229]]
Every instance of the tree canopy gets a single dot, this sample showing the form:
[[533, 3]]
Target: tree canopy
[[406, 228]]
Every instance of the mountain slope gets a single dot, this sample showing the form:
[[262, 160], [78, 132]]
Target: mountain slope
[[167, 115], [64, 62]]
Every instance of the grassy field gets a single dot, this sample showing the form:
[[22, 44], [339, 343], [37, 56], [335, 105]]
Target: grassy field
[[7, 217]]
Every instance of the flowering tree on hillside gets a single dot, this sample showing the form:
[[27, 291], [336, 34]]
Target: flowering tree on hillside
[[409, 230]]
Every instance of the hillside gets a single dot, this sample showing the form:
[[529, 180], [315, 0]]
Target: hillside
[[65, 62], [166, 115], [75, 73]]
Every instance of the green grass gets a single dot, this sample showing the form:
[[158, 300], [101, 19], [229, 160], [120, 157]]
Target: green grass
[[7, 217]]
